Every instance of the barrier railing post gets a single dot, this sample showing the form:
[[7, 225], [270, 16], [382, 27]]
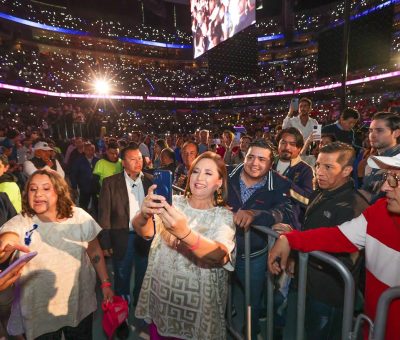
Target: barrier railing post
[[247, 283], [349, 289], [382, 311], [301, 296], [270, 296], [360, 318], [229, 325]]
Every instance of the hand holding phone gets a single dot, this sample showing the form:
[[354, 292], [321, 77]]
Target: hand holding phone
[[21, 260], [317, 131], [294, 104]]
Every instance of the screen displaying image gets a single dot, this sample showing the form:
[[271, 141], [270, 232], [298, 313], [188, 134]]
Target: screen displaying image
[[214, 21]]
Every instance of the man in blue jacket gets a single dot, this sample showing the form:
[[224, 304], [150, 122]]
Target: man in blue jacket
[[258, 195], [299, 173], [81, 177]]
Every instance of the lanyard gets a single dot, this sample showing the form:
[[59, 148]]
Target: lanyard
[[28, 235]]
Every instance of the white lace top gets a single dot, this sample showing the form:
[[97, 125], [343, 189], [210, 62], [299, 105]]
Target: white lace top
[[184, 299]]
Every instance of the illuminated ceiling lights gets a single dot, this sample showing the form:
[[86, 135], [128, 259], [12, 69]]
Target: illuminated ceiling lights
[[102, 86]]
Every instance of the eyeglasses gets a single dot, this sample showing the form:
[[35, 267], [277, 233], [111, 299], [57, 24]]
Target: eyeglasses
[[392, 179]]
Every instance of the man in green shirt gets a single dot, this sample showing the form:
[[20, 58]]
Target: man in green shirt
[[8, 184], [109, 165]]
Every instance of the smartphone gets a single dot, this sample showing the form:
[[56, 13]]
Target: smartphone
[[163, 179], [22, 259], [295, 104], [238, 132], [317, 130], [266, 128]]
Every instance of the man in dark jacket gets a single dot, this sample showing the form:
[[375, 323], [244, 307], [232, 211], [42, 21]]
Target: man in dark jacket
[[120, 199], [343, 128], [336, 201], [82, 178], [299, 173], [257, 195], [7, 210]]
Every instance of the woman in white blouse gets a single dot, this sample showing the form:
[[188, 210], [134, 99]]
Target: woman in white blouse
[[184, 291], [57, 287]]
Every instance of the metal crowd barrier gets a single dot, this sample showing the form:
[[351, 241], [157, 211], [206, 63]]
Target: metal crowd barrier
[[382, 310], [349, 289]]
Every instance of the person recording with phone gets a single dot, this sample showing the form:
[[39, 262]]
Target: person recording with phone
[[57, 287], [303, 122], [190, 256]]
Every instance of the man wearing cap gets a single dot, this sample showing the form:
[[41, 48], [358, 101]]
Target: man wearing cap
[[42, 160], [377, 230]]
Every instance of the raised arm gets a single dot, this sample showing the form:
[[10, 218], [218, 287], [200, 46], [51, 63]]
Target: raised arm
[[143, 220], [209, 252]]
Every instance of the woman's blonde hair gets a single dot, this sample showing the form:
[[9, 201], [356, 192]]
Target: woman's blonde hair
[[64, 201]]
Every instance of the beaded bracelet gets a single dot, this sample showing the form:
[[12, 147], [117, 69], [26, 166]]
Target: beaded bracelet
[[105, 285], [196, 245]]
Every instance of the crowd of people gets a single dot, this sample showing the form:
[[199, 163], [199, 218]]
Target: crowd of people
[[101, 27], [77, 187], [304, 21], [290, 180], [77, 73], [70, 119]]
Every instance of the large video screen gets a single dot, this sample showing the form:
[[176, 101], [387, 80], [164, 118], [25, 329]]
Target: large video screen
[[214, 21]]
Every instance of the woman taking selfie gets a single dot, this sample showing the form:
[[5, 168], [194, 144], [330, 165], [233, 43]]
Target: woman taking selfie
[[185, 288], [57, 287]]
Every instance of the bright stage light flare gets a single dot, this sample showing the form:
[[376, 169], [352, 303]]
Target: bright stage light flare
[[102, 86]]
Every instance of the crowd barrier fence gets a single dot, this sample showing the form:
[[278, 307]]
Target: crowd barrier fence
[[303, 259], [377, 329]]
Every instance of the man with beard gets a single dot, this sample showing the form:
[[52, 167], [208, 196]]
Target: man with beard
[[289, 164], [384, 132]]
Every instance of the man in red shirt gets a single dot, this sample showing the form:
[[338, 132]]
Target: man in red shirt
[[377, 230]]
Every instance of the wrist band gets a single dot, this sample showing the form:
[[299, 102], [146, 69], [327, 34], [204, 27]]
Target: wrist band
[[182, 238], [106, 280], [196, 245], [105, 285]]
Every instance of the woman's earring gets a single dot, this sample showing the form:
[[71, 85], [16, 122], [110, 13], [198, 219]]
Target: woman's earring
[[220, 198]]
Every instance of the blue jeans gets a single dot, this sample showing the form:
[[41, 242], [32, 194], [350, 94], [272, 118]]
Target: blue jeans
[[257, 284], [123, 270], [322, 322]]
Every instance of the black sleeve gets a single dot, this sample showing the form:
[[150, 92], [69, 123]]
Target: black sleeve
[[7, 210]]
